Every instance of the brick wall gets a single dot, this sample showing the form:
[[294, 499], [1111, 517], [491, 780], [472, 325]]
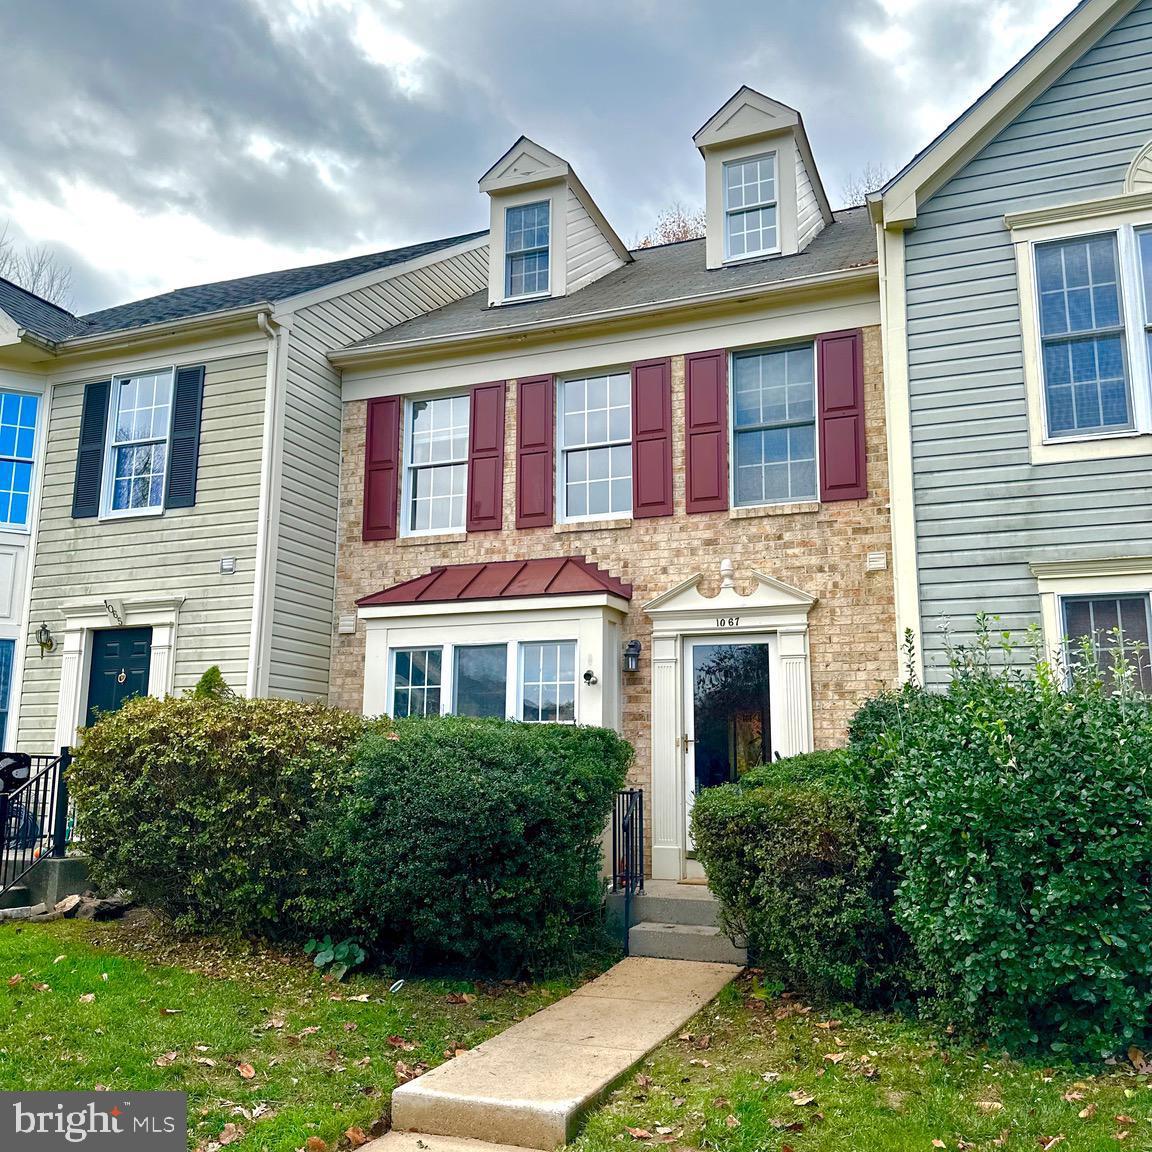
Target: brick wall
[[819, 550]]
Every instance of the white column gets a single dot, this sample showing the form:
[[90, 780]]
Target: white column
[[797, 691], [665, 798], [71, 674], [160, 661]]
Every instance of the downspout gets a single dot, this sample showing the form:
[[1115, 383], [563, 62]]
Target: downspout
[[258, 654]]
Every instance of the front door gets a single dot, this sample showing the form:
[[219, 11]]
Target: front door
[[726, 712], [121, 658]]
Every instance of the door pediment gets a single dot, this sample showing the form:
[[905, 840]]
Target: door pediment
[[770, 603]]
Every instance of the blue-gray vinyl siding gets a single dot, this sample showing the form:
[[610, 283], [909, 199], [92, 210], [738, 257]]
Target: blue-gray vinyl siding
[[983, 511]]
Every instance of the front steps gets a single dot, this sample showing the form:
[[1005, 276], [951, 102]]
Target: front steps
[[533, 1085], [674, 921]]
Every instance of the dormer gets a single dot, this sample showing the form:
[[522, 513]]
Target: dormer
[[763, 193], [548, 238]]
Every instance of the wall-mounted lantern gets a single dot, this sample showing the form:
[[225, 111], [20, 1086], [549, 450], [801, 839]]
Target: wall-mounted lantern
[[45, 639], [632, 656]]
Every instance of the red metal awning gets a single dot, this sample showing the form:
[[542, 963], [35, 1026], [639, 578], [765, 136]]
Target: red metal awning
[[502, 580]]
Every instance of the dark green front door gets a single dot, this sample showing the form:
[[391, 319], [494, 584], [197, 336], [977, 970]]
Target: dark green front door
[[120, 663]]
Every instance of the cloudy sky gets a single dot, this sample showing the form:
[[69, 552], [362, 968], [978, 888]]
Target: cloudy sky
[[160, 143]]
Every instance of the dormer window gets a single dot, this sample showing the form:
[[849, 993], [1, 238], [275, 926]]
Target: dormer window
[[751, 227], [526, 231]]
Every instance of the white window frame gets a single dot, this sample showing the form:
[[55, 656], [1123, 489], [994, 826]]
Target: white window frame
[[1073, 223], [545, 202], [514, 672], [732, 430], [562, 448], [23, 526], [407, 488], [107, 512], [730, 212]]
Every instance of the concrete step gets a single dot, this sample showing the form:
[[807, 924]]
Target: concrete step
[[532, 1085], [17, 896], [701, 942], [423, 1142], [667, 902]]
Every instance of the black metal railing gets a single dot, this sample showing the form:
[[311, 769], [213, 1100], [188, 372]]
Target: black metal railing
[[628, 848], [36, 819]]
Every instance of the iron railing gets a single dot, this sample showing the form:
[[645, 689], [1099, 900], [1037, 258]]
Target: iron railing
[[36, 820], [628, 848]]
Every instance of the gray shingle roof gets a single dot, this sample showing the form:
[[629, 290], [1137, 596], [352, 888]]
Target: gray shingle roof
[[36, 314], [55, 324], [656, 275]]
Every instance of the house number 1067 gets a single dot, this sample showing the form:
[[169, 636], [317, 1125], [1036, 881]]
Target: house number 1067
[[727, 621]]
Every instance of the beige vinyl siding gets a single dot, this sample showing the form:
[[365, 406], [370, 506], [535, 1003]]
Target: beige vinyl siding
[[809, 222], [175, 554], [301, 637], [589, 255]]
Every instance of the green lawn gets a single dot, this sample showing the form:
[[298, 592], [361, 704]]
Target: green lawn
[[764, 1076], [255, 1038]]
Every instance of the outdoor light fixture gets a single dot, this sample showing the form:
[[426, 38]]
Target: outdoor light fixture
[[632, 656], [45, 639]]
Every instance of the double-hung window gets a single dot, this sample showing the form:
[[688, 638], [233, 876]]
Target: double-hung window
[[475, 680], [526, 239], [1086, 378], [774, 426], [751, 211], [595, 457], [436, 450], [1102, 624], [17, 448], [138, 436]]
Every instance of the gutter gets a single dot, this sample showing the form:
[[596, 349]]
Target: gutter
[[842, 277], [123, 336]]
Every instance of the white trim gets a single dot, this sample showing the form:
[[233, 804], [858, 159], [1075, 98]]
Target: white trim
[[107, 478], [729, 212], [407, 467], [1033, 229], [771, 607], [81, 620], [510, 296]]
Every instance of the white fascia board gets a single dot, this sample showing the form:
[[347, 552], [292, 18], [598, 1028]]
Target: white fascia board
[[224, 318], [1001, 104], [845, 277], [292, 304], [537, 605]]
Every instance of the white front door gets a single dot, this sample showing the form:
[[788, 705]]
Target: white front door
[[727, 714]]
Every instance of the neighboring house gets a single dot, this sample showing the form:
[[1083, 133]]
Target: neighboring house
[[1016, 256], [175, 463], [642, 489]]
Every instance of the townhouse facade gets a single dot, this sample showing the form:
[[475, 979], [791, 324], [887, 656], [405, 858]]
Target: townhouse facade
[[643, 489], [1016, 256]]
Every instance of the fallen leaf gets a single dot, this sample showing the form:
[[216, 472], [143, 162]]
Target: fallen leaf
[[639, 1133], [363, 1062], [308, 1031], [827, 1025], [14, 980], [356, 1136], [205, 1061], [939, 1144], [1001, 1140], [401, 1043], [364, 997], [247, 1072], [1087, 1112], [88, 998], [1049, 1142], [1121, 1135], [770, 1077], [165, 1059], [1071, 1096], [686, 1037], [642, 1080], [989, 1106], [787, 1125], [732, 1121], [350, 1025], [405, 1072], [203, 1048], [801, 1098], [315, 1144], [1140, 1061], [701, 1063], [41, 987], [460, 998], [834, 1057], [704, 1042], [230, 1133], [59, 958], [1125, 1120], [274, 1023]]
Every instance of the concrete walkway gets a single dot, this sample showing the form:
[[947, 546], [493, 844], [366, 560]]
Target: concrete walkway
[[531, 1086]]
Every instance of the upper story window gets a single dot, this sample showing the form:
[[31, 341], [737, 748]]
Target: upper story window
[[1086, 379], [1144, 240], [139, 427], [751, 225], [17, 448], [774, 426], [1106, 623], [526, 238], [595, 458], [436, 449]]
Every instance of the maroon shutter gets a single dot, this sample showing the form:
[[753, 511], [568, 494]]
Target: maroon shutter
[[486, 458], [381, 460], [706, 417], [534, 435], [840, 391], [652, 438]]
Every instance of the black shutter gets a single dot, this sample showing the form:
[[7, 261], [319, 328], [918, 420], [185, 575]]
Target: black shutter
[[184, 446], [90, 453]]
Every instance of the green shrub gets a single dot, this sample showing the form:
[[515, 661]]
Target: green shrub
[[1022, 809], [476, 842], [201, 806], [794, 855]]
